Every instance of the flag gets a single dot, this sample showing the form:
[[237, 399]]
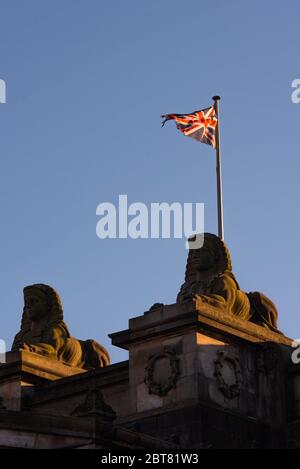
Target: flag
[[200, 125]]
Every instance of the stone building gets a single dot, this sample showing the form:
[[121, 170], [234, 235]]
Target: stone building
[[209, 371]]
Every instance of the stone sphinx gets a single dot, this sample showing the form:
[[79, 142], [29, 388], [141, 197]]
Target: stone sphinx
[[43, 331], [209, 279]]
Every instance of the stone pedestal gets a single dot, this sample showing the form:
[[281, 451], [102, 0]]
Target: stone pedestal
[[184, 358], [23, 369]]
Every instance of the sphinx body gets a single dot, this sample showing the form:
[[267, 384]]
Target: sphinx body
[[209, 279], [44, 331]]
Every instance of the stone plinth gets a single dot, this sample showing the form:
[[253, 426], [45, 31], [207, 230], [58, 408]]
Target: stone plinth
[[180, 357], [23, 369]]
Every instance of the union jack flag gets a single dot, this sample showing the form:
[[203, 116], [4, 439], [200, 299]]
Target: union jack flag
[[200, 125]]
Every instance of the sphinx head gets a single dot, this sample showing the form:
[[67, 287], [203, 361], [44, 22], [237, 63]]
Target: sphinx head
[[42, 301], [211, 259]]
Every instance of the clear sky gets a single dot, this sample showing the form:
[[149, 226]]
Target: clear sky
[[86, 84]]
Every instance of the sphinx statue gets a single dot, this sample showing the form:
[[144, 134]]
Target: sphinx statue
[[209, 279], [43, 331]]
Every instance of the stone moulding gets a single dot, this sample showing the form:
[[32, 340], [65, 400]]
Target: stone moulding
[[165, 383], [177, 317]]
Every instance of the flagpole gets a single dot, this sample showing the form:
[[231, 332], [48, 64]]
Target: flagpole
[[219, 171]]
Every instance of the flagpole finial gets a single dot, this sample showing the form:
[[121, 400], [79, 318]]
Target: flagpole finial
[[216, 98]]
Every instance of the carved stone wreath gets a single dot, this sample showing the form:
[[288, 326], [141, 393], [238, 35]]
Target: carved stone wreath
[[162, 372], [229, 390]]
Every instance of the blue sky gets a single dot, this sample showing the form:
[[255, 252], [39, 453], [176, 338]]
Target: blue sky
[[86, 84]]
